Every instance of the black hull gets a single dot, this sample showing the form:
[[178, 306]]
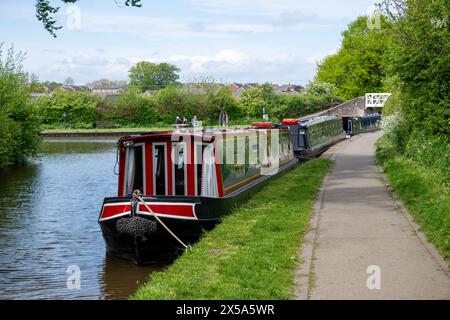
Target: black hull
[[160, 246], [307, 154], [154, 248]]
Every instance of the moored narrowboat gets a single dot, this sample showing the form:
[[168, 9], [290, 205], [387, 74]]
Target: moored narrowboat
[[174, 185], [359, 124], [313, 136]]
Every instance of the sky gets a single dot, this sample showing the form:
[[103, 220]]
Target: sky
[[277, 41]]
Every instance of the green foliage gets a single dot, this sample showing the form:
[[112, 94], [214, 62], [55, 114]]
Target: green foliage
[[318, 88], [133, 108], [150, 76], [318, 97], [392, 104], [223, 99], [253, 253], [357, 67], [68, 109], [19, 125], [252, 102], [395, 130], [419, 57], [205, 102]]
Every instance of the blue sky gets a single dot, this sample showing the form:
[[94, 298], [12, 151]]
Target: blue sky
[[278, 41]]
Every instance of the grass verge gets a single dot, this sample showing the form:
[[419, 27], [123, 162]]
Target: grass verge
[[253, 253], [424, 191], [124, 129]]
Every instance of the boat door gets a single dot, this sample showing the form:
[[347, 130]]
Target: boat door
[[179, 167], [134, 177], [301, 140], [349, 126], [160, 179]]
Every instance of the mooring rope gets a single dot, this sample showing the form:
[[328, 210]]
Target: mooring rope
[[137, 195]]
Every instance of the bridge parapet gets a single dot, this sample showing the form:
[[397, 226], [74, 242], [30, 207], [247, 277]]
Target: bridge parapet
[[368, 104], [376, 100]]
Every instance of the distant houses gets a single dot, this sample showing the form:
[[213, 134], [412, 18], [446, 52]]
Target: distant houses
[[113, 90], [105, 91], [102, 91]]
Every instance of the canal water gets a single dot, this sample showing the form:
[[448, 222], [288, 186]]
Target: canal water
[[48, 225]]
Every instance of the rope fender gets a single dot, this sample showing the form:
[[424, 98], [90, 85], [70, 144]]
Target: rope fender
[[138, 196], [136, 226]]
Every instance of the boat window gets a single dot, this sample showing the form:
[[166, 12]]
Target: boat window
[[209, 178], [240, 172], [134, 176], [179, 168], [159, 169], [199, 150]]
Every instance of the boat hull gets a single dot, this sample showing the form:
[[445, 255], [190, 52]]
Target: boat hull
[[188, 217]]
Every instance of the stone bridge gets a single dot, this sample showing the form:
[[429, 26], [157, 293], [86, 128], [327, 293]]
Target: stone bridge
[[354, 107]]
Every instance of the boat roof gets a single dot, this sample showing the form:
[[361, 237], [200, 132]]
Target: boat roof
[[316, 120], [205, 134], [372, 115]]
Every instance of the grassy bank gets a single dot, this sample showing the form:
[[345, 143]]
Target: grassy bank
[[253, 253], [423, 187], [128, 129]]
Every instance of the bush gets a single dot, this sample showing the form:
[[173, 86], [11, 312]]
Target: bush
[[19, 124], [319, 97], [395, 130], [133, 108], [68, 109], [432, 152], [205, 101]]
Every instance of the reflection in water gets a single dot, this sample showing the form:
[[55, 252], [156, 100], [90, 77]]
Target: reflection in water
[[121, 278], [48, 222]]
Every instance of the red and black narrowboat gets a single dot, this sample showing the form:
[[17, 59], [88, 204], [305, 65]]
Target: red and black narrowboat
[[188, 182]]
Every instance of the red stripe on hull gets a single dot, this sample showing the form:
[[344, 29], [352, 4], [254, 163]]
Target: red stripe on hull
[[179, 210], [183, 211], [111, 211]]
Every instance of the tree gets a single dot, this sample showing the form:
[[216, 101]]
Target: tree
[[150, 76], [357, 68], [318, 88], [107, 84], [252, 102], [45, 13], [419, 59], [19, 124], [69, 81]]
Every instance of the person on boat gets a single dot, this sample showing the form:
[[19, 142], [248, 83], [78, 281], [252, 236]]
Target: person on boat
[[178, 122], [223, 118], [194, 121]]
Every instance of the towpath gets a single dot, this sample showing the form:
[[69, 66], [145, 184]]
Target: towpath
[[363, 244]]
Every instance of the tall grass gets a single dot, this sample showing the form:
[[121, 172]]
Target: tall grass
[[419, 172]]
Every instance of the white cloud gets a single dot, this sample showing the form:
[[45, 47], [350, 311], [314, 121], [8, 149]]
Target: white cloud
[[171, 27], [324, 8], [224, 65], [236, 65]]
